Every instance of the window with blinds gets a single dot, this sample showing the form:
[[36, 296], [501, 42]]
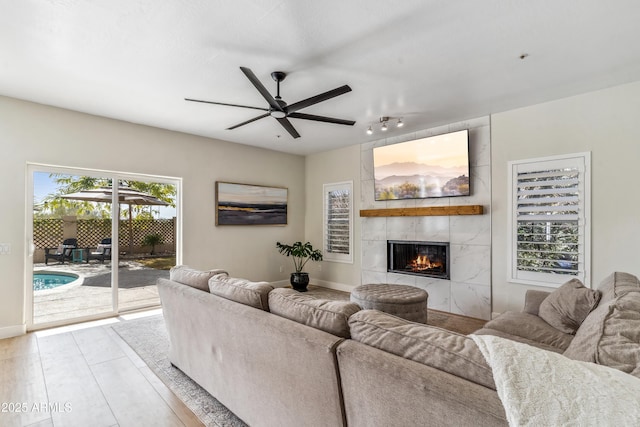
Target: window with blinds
[[338, 230], [549, 217]]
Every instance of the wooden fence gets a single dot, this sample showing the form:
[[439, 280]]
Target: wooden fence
[[50, 232]]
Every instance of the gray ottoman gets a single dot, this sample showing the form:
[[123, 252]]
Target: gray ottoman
[[404, 301]]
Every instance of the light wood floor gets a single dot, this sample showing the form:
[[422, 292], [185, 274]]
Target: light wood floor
[[83, 375]]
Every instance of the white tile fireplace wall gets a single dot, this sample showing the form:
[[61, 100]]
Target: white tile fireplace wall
[[469, 290]]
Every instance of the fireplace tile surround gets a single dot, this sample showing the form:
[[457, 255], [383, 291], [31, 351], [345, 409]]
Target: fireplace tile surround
[[468, 291]]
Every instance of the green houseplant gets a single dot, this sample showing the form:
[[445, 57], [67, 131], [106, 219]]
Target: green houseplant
[[301, 254]]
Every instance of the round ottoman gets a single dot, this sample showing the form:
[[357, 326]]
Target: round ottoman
[[404, 301]]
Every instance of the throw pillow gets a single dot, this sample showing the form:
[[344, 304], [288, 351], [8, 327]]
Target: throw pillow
[[566, 308], [191, 277]]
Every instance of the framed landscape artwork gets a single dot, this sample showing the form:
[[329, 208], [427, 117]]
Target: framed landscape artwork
[[244, 204]]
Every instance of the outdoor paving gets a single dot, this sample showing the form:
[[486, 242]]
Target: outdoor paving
[[136, 289]]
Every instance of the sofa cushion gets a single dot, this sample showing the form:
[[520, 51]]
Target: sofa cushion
[[191, 277], [566, 308], [530, 327], [496, 333], [610, 335], [254, 294], [328, 315], [431, 346], [617, 284]]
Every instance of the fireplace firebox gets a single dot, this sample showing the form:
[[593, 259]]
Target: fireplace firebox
[[429, 259]]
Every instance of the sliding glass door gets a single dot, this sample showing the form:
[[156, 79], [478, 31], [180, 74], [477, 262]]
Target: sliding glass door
[[98, 243]]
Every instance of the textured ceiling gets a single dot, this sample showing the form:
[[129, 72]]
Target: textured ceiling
[[429, 62]]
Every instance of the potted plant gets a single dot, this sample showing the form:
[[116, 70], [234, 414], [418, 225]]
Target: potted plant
[[152, 240], [301, 253]]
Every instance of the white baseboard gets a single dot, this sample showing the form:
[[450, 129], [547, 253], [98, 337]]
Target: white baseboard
[[12, 331]]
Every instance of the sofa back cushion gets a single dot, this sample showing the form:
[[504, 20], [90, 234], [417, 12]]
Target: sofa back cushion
[[610, 335], [431, 346], [195, 278], [617, 284], [328, 315], [254, 294]]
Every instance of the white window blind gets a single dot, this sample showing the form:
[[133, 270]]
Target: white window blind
[[338, 230], [550, 211]]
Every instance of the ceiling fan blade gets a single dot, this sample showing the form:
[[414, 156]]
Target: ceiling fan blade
[[289, 127], [262, 116], [321, 119], [318, 98], [263, 91], [228, 105]]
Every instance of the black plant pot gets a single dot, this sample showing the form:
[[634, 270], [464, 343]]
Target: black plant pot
[[299, 281]]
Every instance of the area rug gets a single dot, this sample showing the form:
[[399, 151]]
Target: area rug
[[148, 338]]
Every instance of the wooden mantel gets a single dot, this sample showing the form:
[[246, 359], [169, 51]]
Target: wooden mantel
[[425, 211]]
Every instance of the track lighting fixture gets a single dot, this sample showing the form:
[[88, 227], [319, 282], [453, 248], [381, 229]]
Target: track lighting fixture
[[384, 124]]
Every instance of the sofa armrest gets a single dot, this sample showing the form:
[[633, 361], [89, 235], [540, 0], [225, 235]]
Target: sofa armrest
[[532, 301]]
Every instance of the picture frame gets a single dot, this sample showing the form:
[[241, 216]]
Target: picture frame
[[250, 204]]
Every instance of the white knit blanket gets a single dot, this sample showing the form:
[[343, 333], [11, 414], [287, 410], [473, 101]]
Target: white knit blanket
[[542, 388]]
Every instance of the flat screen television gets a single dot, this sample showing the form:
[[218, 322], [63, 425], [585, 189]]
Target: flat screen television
[[436, 166]]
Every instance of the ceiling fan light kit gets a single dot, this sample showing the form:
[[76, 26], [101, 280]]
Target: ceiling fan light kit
[[384, 121], [279, 109]]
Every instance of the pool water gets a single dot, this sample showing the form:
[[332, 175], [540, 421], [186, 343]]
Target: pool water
[[42, 281]]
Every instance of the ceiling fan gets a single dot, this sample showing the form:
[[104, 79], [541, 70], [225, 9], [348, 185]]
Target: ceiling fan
[[280, 110]]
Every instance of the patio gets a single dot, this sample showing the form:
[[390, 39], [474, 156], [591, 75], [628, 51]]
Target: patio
[[136, 289]]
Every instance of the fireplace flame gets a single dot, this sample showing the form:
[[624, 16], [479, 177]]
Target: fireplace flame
[[422, 263]]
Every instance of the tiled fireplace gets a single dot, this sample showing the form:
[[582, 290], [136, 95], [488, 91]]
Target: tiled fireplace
[[466, 289]]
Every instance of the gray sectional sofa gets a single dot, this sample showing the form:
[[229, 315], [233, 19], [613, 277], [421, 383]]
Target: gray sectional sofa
[[276, 357]]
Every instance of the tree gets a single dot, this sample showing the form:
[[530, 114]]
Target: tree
[[56, 205], [152, 240]]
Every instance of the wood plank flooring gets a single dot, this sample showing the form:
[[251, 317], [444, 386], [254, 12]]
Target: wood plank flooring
[[83, 375]]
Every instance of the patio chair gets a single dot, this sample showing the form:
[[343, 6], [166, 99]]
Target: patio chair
[[102, 252], [62, 252]]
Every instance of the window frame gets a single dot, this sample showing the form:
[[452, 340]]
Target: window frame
[[326, 189], [583, 162]]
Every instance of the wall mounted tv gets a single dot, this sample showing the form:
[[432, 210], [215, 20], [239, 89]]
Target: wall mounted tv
[[436, 166]]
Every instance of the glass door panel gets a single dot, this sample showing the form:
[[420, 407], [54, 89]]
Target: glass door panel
[[72, 276], [147, 237]]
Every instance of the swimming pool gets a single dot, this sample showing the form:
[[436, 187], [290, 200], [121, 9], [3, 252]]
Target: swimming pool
[[43, 280]]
